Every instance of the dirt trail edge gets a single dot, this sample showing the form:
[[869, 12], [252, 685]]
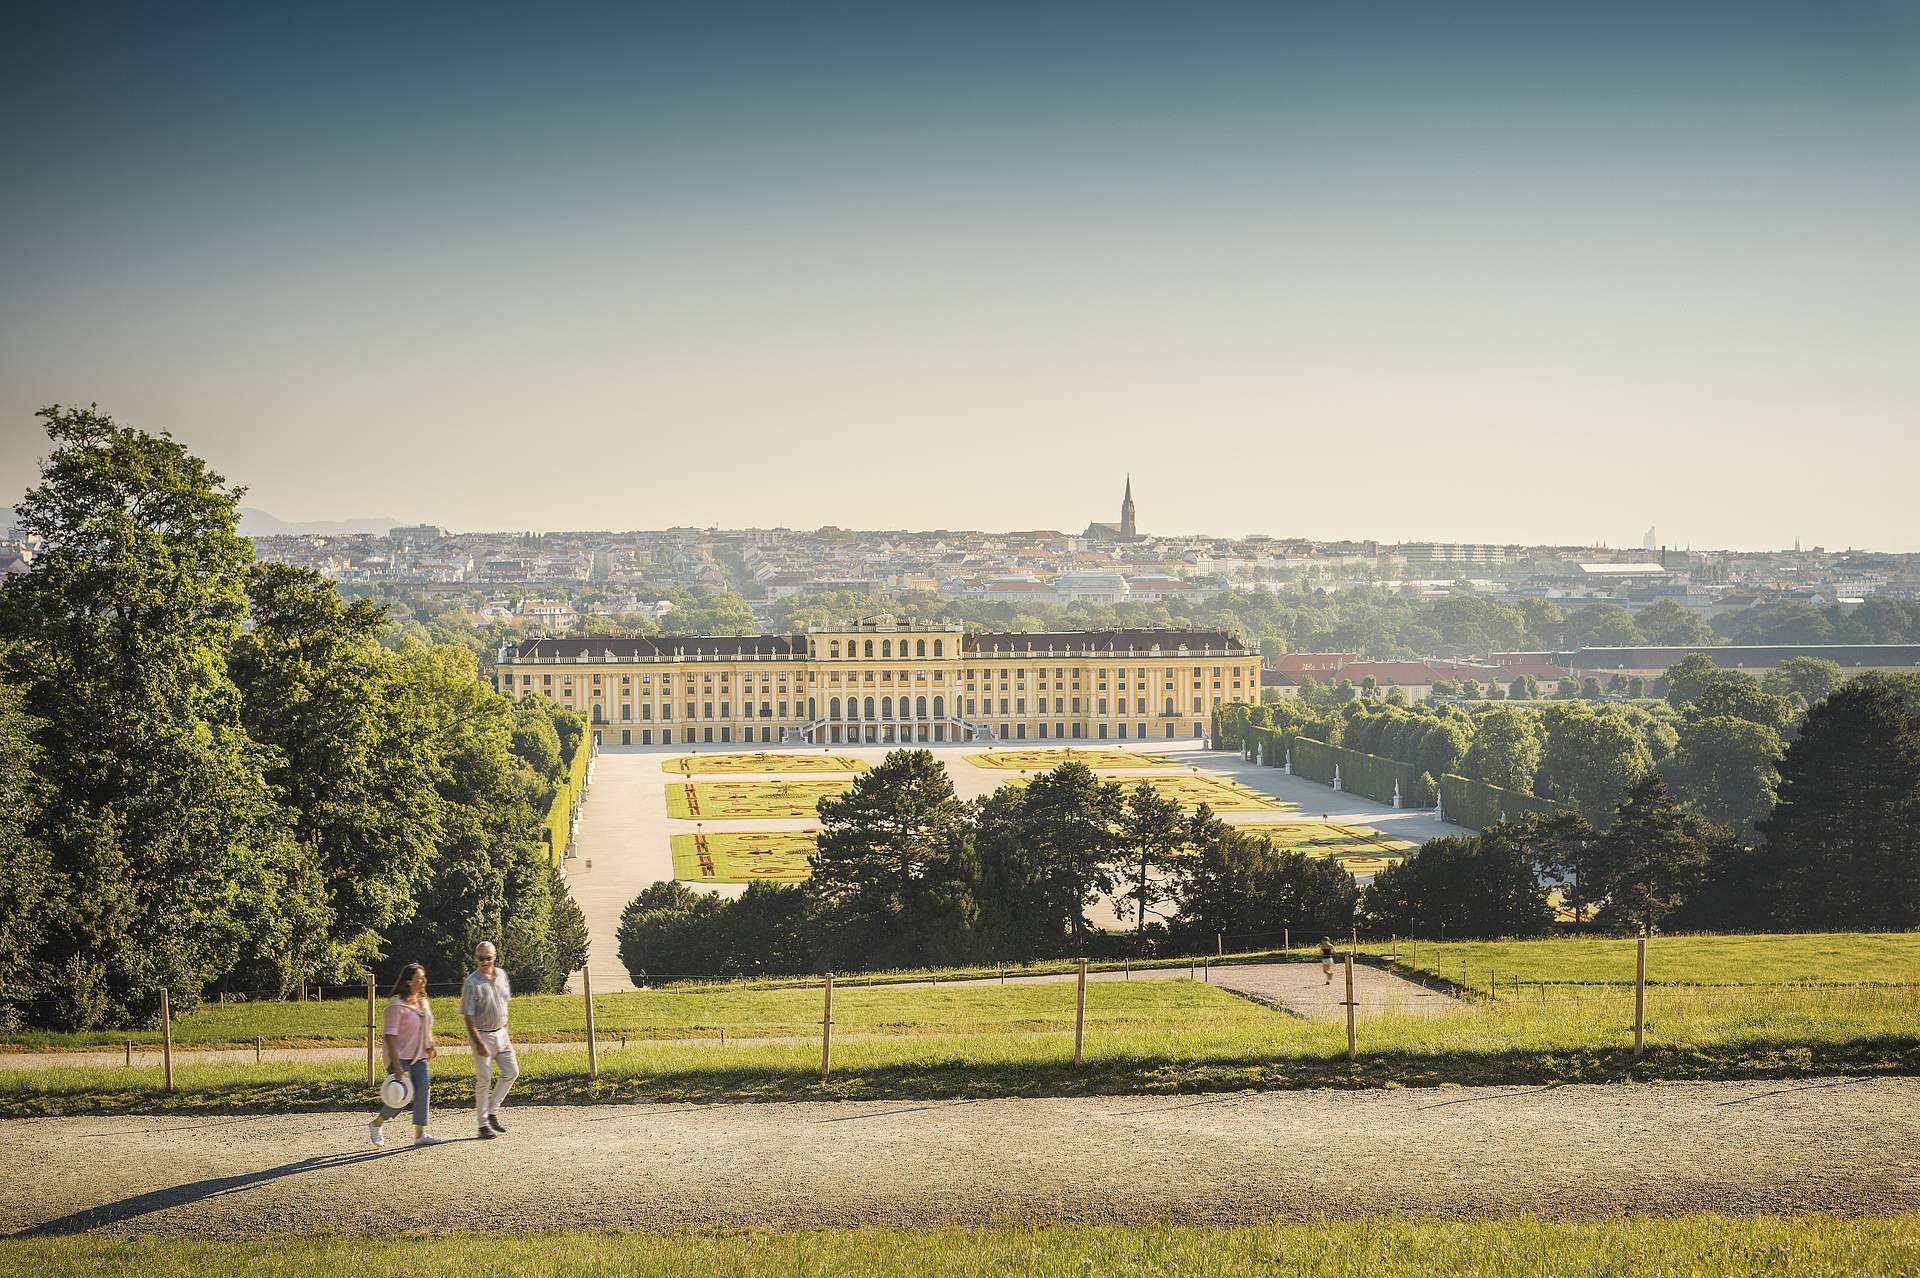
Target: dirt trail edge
[[1837, 1145]]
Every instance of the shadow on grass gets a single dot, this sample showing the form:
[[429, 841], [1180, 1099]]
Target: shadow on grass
[[91, 1218], [958, 1078]]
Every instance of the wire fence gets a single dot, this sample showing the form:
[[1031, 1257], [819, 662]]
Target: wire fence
[[1384, 997]]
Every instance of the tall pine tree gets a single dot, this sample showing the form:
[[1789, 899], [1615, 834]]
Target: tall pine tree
[[1843, 843]]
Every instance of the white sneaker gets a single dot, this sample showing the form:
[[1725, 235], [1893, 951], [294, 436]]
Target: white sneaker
[[377, 1134], [424, 1139]]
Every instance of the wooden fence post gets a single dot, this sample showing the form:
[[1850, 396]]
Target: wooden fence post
[[258, 1043], [593, 1048], [1353, 1047], [1640, 996], [129, 1052], [1286, 940], [826, 1030], [423, 1046], [166, 1039], [1080, 1017]]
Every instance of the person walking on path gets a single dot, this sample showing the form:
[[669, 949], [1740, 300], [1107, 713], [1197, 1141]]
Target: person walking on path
[[407, 1029], [483, 1002], [1326, 959]]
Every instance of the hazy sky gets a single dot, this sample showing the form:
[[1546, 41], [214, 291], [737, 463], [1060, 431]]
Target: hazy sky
[[1528, 272]]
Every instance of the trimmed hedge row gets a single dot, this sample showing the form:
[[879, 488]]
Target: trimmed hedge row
[[557, 829], [1477, 804], [1372, 775]]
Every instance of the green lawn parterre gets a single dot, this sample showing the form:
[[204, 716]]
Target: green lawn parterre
[[1519, 1247]]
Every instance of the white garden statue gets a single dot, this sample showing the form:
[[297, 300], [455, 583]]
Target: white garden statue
[[1336, 777]]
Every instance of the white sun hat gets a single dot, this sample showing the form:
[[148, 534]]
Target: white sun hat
[[397, 1093]]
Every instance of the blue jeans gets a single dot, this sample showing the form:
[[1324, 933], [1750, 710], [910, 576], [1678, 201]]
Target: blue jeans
[[422, 1084]]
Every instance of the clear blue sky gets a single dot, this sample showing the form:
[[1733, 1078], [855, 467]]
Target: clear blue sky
[[1528, 271]]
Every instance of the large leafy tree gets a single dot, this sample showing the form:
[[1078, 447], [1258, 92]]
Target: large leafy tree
[[1726, 767], [1738, 695], [1843, 842], [169, 859], [1234, 884], [1653, 858], [491, 877], [1602, 626], [356, 764], [1671, 624], [1811, 679], [893, 881], [1591, 759], [1688, 677], [671, 930], [25, 868], [1506, 749], [1461, 886]]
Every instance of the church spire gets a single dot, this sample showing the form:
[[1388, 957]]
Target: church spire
[[1126, 510]]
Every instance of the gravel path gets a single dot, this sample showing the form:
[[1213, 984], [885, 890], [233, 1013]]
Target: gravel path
[[1839, 1145]]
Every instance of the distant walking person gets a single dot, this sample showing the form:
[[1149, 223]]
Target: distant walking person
[[483, 1002], [1326, 959], [407, 1030]]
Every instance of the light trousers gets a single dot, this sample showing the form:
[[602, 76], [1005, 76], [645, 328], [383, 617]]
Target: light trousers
[[490, 1094]]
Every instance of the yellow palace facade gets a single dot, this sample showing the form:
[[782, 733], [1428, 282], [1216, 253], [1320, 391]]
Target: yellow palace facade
[[879, 682]]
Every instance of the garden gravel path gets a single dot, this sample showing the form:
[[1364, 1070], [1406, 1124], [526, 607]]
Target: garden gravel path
[[1832, 1145]]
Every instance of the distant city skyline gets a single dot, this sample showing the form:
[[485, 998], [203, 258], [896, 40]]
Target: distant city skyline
[[1537, 275], [257, 522]]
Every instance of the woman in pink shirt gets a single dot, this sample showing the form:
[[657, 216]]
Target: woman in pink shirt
[[407, 1029]]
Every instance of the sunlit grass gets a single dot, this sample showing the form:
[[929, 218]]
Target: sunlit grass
[[1836, 958], [1520, 1247], [1158, 1036]]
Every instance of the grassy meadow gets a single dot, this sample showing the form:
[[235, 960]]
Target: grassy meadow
[[1143, 1037], [1830, 958], [1805, 1246]]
